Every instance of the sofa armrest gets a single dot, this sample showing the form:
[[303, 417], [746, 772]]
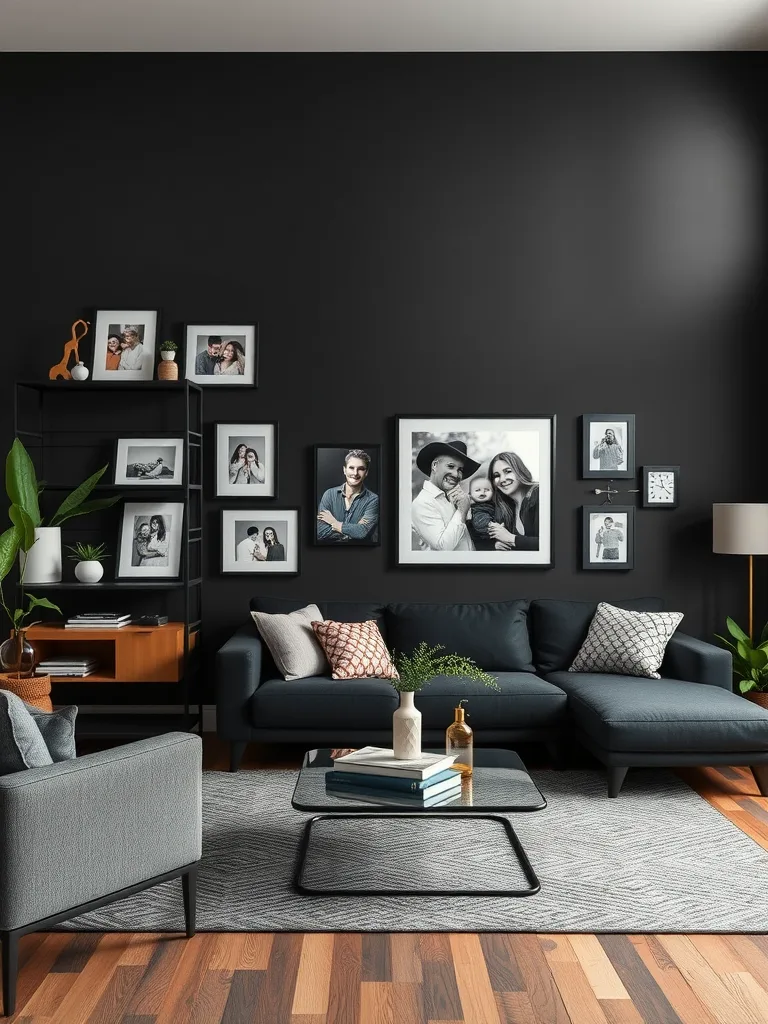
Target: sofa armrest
[[81, 829], [238, 674], [697, 662]]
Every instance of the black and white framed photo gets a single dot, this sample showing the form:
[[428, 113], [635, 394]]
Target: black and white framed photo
[[262, 541], [475, 490], [124, 344], [149, 460], [608, 446], [608, 536], [222, 354], [661, 486], [347, 488], [150, 540], [246, 460]]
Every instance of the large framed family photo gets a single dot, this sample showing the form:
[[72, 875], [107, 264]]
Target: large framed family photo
[[347, 489], [124, 343], [608, 446], [150, 540], [608, 536], [246, 460], [260, 541], [222, 354], [475, 490]]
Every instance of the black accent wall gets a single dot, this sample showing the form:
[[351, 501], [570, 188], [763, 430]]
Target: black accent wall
[[421, 234]]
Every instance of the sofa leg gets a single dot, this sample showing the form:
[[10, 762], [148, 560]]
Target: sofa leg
[[236, 751], [189, 888], [10, 943], [760, 772], [616, 778], [557, 755]]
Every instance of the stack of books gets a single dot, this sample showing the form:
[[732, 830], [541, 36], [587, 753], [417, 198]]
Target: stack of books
[[98, 620], [66, 665], [374, 775]]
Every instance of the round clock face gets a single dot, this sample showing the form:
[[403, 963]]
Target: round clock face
[[661, 487]]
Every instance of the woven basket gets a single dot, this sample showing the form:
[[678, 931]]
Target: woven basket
[[35, 690], [758, 698], [168, 369]]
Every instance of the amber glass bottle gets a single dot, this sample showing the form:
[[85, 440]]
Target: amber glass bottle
[[458, 740]]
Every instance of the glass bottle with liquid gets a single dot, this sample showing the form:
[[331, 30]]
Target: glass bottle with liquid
[[458, 740]]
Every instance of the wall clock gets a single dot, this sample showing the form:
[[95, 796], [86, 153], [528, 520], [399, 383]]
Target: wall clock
[[661, 486]]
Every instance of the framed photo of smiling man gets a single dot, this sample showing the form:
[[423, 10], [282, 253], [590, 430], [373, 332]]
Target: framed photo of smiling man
[[347, 483], [475, 490]]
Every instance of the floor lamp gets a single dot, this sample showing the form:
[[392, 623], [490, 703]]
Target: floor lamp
[[741, 528]]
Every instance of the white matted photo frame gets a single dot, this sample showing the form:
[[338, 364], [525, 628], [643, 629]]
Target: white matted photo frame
[[475, 490], [124, 342], [608, 537], [222, 354], [151, 533], [246, 460], [147, 461], [260, 542], [608, 446]]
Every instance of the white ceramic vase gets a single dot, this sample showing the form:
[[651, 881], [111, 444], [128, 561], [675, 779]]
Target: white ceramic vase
[[42, 563], [80, 371], [167, 356], [89, 572], [406, 729]]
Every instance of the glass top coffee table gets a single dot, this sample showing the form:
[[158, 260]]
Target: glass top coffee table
[[355, 838]]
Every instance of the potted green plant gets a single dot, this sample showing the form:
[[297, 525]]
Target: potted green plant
[[415, 671], [168, 369], [750, 662], [168, 350], [89, 558]]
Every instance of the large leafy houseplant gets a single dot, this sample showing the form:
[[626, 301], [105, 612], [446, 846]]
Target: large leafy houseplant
[[750, 661]]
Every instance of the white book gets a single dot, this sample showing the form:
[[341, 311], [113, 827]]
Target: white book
[[98, 618], [75, 673], [57, 666], [96, 625], [382, 761]]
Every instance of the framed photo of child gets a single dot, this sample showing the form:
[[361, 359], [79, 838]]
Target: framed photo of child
[[608, 537], [475, 490], [347, 486]]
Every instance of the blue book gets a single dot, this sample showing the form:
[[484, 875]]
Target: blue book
[[387, 781]]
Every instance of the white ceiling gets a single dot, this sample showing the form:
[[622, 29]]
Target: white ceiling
[[381, 25]]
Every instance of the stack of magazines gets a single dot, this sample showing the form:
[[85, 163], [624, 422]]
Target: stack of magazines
[[374, 775], [98, 620], [66, 665]]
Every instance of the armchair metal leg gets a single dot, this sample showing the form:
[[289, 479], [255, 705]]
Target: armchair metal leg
[[10, 942], [236, 751], [189, 888], [760, 772], [616, 778]]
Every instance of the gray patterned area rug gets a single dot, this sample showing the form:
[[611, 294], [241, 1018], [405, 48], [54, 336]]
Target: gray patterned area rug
[[656, 859]]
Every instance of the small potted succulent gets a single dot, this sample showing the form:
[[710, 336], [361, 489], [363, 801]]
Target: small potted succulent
[[89, 558], [168, 368], [750, 662], [168, 350]]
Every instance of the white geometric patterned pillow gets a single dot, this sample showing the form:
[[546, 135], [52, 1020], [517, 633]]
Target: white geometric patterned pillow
[[626, 643]]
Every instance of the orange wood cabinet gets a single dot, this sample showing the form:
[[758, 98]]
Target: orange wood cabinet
[[133, 654]]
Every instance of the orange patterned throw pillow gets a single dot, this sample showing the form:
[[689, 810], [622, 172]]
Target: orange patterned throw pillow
[[355, 650]]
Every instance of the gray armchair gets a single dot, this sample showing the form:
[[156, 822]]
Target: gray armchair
[[79, 834]]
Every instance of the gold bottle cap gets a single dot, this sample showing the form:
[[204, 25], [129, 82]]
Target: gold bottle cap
[[459, 711]]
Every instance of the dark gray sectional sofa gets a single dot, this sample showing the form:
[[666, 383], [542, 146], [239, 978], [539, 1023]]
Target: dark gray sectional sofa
[[688, 717]]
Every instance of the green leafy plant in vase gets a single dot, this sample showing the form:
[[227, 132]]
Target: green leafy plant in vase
[[89, 558], [168, 368], [415, 671], [750, 661]]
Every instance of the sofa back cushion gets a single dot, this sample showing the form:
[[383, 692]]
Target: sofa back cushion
[[559, 628], [494, 635]]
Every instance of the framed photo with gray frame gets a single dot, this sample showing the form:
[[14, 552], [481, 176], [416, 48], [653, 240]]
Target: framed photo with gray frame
[[608, 537], [608, 446], [246, 460], [260, 541], [347, 495]]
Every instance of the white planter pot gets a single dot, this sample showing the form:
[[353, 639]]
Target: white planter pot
[[406, 729], [89, 572], [42, 563], [80, 372], [167, 356]]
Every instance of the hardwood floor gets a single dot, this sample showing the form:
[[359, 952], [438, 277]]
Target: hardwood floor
[[349, 978]]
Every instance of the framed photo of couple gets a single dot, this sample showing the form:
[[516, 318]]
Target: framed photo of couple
[[246, 460], [150, 540], [260, 541], [475, 490], [222, 354], [124, 344]]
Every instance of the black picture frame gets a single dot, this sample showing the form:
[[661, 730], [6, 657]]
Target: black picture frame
[[646, 471], [588, 543], [266, 513], [607, 421], [320, 477], [210, 380], [250, 494], [123, 569]]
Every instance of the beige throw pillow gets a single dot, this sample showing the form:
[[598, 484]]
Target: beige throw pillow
[[292, 642]]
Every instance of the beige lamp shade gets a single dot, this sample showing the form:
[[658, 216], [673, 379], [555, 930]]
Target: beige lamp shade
[[740, 528]]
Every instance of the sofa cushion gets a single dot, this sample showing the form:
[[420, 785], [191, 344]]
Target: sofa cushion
[[355, 650], [635, 714], [57, 728], [523, 702], [559, 628], [495, 635], [21, 742], [292, 641], [319, 702], [626, 643]]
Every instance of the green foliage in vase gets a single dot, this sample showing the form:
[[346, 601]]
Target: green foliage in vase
[[88, 552], [750, 662], [425, 662]]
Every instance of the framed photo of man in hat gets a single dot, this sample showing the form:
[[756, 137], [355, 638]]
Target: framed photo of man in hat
[[475, 490]]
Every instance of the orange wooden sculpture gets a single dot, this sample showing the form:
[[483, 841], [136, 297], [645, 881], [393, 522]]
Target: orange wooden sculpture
[[60, 369]]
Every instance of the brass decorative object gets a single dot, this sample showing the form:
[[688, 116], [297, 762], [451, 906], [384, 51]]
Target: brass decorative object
[[60, 369]]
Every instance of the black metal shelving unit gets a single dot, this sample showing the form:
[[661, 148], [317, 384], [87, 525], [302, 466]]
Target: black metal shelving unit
[[31, 421]]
